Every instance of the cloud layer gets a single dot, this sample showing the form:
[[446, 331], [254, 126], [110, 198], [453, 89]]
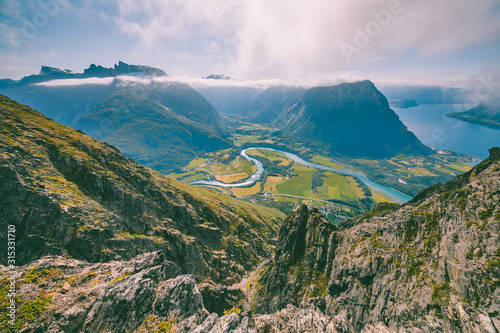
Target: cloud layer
[[259, 39], [282, 38]]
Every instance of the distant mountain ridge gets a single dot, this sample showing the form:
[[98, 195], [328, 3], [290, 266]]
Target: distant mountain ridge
[[52, 73], [424, 94], [483, 114]]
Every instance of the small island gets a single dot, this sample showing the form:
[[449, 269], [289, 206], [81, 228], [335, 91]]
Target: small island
[[403, 103]]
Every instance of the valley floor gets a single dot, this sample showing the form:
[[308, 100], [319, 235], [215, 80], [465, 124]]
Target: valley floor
[[286, 184]]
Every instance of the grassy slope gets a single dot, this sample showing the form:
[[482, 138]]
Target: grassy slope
[[70, 194]]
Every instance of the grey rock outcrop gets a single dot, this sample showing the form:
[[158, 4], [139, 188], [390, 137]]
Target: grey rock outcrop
[[226, 324], [302, 263], [293, 319], [118, 296], [428, 266], [207, 325]]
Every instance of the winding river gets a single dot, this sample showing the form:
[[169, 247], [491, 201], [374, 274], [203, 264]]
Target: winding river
[[387, 191]]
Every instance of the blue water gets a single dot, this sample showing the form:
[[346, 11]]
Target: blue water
[[434, 129], [387, 191]]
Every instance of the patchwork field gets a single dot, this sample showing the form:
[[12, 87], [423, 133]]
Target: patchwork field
[[246, 191], [299, 184], [237, 166], [272, 156], [231, 178], [272, 181], [295, 183], [324, 161], [339, 187], [287, 181]]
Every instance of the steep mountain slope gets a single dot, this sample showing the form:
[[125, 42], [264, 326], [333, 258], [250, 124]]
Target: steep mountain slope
[[184, 101], [352, 119], [431, 265], [148, 132], [268, 106], [483, 114], [69, 194]]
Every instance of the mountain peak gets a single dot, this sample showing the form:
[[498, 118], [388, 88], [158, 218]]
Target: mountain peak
[[46, 70], [121, 69], [124, 68], [217, 77], [352, 119]]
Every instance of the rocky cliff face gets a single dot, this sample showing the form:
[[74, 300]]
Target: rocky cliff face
[[68, 194], [431, 265], [302, 263]]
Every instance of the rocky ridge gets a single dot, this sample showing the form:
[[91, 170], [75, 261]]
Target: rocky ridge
[[432, 265], [51, 73], [144, 294]]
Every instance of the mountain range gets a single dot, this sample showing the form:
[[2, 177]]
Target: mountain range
[[105, 244], [425, 94], [193, 126], [350, 119], [52, 73]]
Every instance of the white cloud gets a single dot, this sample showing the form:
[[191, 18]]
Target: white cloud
[[282, 38], [290, 36], [76, 82], [286, 39]]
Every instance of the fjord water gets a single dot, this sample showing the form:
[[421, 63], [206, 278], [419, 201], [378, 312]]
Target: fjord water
[[434, 129], [387, 191]]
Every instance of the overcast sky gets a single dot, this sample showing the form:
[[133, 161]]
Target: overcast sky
[[406, 41]]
